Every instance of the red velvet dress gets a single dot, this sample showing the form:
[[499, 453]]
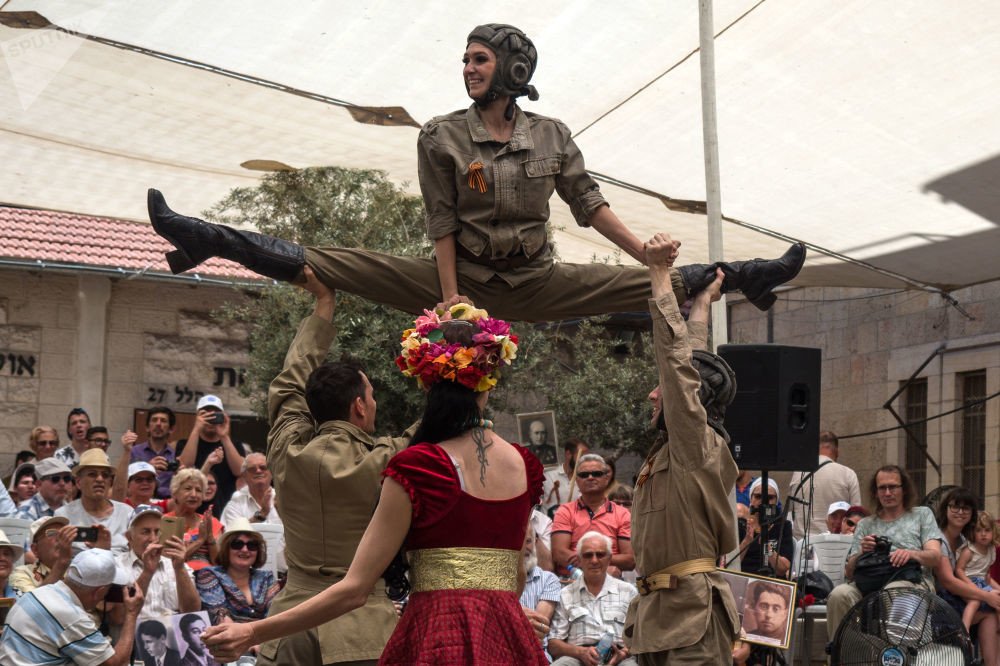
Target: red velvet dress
[[462, 626]]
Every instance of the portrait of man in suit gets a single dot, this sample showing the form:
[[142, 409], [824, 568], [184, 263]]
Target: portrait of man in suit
[[152, 635]]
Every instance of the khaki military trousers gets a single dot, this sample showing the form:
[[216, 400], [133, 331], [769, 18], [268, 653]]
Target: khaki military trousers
[[715, 647], [303, 649], [562, 291]]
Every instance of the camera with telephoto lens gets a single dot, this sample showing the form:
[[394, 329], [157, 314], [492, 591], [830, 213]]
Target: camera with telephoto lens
[[883, 544]]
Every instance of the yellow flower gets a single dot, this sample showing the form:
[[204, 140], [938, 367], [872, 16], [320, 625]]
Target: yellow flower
[[466, 312], [508, 349], [485, 384]]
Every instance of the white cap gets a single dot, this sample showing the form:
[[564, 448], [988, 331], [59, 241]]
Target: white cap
[[837, 506], [210, 402], [771, 483], [137, 467], [96, 567]]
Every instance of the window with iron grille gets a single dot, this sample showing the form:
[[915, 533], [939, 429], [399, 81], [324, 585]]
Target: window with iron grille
[[915, 409], [972, 432]]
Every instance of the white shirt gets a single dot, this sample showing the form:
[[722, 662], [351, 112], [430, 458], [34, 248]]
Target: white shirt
[[161, 597], [831, 483], [552, 497], [116, 522], [542, 525]]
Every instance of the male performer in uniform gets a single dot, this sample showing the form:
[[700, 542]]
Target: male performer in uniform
[[327, 469], [682, 520]]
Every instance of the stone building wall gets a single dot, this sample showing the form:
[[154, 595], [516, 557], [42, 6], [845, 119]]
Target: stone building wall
[[872, 341], [110, 346]]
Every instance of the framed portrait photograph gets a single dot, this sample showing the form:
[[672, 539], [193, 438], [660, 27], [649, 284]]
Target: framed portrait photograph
[[174, 639], [766, 607], [537, 431]]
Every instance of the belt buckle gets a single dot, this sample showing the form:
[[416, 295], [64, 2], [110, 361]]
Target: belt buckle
[[643, 585]]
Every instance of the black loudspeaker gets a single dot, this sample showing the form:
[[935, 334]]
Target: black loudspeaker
[[773, 422]]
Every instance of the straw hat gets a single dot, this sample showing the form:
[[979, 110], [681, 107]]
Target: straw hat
[[5, 542]]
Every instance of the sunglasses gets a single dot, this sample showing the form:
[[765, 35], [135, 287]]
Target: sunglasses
[[851, 523], [239, 544], [590, 475], [56, 478], [48, 442], [594, 556]]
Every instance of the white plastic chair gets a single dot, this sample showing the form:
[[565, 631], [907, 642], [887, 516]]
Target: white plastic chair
[[831, 552], [274, 536], [18, 530]]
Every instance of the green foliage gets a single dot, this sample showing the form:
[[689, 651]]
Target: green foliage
[[597, 394], [346, 208], [597, 391]]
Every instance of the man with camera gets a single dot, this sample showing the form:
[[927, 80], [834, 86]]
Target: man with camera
[[157, 566], [95, 510], [157, 449], [210, 432], [908, 536], [54, 620]]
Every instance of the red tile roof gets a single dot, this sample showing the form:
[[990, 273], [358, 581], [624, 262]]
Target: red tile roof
[[67, 238]]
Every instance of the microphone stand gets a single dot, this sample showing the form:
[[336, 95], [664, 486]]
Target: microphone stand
[[767, 515]]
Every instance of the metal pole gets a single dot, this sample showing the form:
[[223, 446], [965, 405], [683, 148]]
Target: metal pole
[[710, 138]]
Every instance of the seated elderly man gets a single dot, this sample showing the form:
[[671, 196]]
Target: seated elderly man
[[256, 500], [835, 517], [158, 569], [51, 625], [592, 511], [913, 531], [51, 543], [591, 607], [541, 592], [95, 508]]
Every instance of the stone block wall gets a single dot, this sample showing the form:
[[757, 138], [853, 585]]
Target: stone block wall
[[872, 340], [140, 343]]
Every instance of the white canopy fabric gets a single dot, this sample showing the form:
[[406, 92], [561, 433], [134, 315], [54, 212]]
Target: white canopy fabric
[[867, 129]]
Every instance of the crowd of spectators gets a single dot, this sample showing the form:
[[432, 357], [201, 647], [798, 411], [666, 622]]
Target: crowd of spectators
[[150, 521], [211, 500]]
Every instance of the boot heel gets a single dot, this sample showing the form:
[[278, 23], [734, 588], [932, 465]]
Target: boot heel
[[765, 302], [179, 261]]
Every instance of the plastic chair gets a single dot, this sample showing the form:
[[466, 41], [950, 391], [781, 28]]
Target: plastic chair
[[831, 552], [274, 536], [18, 530]]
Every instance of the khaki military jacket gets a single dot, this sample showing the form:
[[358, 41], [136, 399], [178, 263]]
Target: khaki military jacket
[[503, 214], [328, 481], [681, 508]]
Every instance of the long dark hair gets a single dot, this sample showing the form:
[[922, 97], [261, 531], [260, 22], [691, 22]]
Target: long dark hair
[[451, 407], [961, 497]]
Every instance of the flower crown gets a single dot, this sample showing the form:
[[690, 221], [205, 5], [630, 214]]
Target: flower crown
[[430, 358]]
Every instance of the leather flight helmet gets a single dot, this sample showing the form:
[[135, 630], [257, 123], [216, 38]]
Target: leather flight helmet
[[516, 60], [718, 387]]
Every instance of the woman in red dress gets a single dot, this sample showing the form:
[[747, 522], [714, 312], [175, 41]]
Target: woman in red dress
[[458, 500]]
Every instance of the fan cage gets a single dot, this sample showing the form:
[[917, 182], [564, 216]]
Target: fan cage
[[901, 626]]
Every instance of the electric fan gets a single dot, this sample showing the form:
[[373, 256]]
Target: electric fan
[[901, 626]]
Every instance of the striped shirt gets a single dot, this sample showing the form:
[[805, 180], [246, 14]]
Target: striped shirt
[[582, 618], [35, 508], [540, 585], [50, 626]]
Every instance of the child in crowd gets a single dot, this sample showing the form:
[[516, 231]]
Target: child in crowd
[[975, 560]]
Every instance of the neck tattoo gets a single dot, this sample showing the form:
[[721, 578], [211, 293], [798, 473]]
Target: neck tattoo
[[483, 442]]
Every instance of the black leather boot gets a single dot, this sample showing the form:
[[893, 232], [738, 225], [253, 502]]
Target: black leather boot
[[197, 240], [756, 278]]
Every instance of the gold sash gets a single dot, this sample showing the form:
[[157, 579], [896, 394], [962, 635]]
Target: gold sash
[[463, 569]]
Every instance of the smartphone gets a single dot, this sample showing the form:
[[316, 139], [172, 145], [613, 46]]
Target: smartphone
[[218, 418], [86, 534], [171, 526]]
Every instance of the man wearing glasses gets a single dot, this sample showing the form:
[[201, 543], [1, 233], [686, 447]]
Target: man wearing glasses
[[591, 607], [95, 508], [54, 483], [912, 529], [592, 511]]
